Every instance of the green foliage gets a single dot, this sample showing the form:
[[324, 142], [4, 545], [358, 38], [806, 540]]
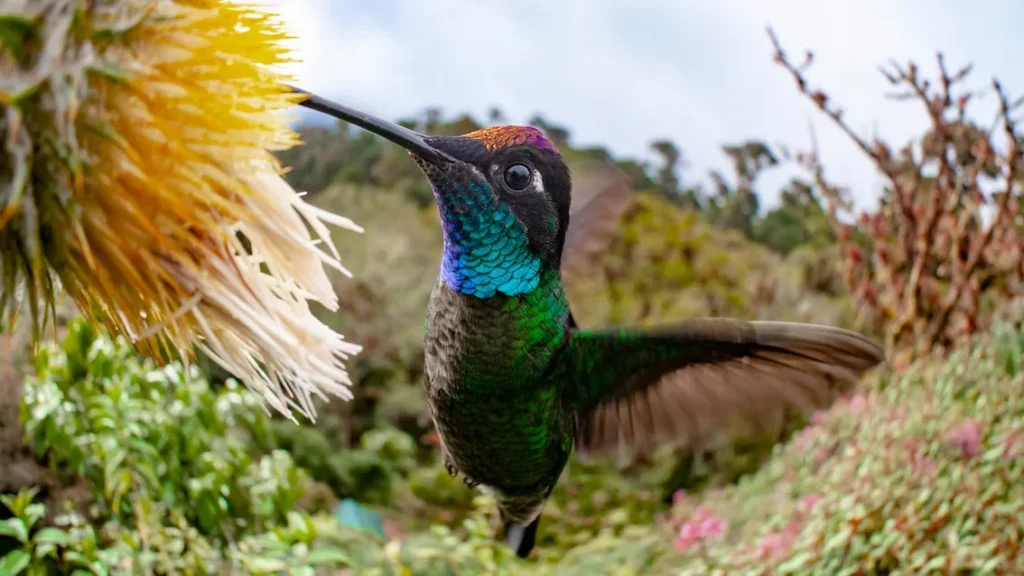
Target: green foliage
[[346, 155], [919, 475], [383, 306], [667, 264], [36, 545], [367, 474], [175, 483], [799, 221]]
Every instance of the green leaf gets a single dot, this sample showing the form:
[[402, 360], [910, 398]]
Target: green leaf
[[76, 558], [14, 563], [266, 565], [13, 31], [328, 557], [120, 484], [45, 551], [34, 512], [15, 528], [51, 536], [114, 462], [991, 566]]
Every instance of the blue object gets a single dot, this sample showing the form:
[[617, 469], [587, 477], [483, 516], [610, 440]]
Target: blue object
[[352, 514]]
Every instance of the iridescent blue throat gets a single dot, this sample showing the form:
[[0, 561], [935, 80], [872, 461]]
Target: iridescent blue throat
[[486, 250]]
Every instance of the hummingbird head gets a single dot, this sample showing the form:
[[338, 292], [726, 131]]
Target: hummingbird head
[[503, 196], [504, 201]]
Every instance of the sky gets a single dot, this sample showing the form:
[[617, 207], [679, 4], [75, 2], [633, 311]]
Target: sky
[[622, 74]]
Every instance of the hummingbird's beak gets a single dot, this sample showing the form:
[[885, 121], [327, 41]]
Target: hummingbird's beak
[[414, 142]]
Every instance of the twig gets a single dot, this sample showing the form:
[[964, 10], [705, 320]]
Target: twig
[[1012, 160], [924, 225]]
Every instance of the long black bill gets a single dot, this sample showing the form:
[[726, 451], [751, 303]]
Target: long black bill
[[412, 141]]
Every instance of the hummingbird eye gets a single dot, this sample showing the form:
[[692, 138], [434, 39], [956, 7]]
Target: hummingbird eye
[[518, 177]]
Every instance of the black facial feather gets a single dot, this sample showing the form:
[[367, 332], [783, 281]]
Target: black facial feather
[[543, 209]]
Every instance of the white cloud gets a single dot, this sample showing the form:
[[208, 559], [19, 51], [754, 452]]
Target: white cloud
[[699, 73]]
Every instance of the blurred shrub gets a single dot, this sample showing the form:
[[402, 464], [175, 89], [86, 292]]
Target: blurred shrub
[[666, 264], [176, 486], [919, 475], [350, 473], [382, 307], [798, 221], [928, 265], [367, 474]]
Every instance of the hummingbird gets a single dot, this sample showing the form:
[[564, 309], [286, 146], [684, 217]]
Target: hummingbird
[[514, 385]]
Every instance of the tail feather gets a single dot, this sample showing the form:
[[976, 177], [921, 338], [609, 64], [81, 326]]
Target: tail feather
[[521, 539]]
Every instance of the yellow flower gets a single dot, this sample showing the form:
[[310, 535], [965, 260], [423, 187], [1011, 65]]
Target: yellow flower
[[137, 174]]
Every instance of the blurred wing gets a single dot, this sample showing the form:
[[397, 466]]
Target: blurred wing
[[693, 382], [601, 193]]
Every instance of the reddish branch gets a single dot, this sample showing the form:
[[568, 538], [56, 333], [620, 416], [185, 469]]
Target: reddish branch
[[932, 261]]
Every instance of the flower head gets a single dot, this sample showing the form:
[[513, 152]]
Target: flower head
[[701, 526], [142, 183], [780, 542], [967, 438], [858, 403], [808, 502]]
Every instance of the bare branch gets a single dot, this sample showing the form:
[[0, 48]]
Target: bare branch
[[931, 260]]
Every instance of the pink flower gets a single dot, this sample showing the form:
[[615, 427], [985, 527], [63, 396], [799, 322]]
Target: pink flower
[[702, 525], [774, 543], [921, 464], [817, 417], [689, 535], [967, 438], [679, 496], [808, 502], [806, 436], [858, 403], [712, 527], [779, 542]]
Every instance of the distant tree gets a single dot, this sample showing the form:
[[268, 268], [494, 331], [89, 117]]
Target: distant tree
[[799, 220], [432, 118], [736, 206], [462, 124], [640, 180], [666, 180], [496, 117], [326, 152], [558, 135], [671, 158]]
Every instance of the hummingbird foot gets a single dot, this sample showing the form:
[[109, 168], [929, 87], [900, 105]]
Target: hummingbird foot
[[470, 483], [452, 470]]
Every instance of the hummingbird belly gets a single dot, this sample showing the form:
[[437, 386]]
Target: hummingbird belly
[[492, 395], [514, 443]]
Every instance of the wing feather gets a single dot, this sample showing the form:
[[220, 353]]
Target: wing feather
[[697, 383]]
